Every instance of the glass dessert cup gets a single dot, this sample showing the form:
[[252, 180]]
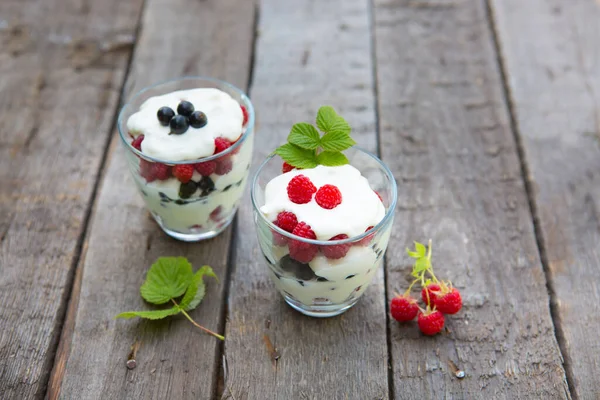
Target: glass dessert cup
[[325, 287], [207, 205]]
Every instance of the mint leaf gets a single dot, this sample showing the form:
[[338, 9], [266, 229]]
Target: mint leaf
[[296, 156], [154, 314], [168, 278], [421, 250], [332, 158], [304, 135], [337, 140], [326, 117], [195, 292]]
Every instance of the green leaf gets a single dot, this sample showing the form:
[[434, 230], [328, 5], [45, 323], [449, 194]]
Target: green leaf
[[421, 265], [304, 135], [412, 254], [332, 158], [195, 292], [296, 156], [337, 140], [168, 278], [326, 118], [421, 249], [154, 314]]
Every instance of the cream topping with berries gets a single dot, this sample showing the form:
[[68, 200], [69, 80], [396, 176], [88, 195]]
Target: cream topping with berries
[[359, 209], [224, 119]]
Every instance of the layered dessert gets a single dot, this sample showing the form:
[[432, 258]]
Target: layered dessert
[[193, 161], [325, 237]]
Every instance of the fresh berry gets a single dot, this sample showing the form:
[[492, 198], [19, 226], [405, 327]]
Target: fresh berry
[[328, 196], [206, 185], [137, 142], [300, 189], [299, 250], [224, 165], [165, 114], [161, 171], [404, 308], [179, 125], [221, 144], [448, 302], [146, 171], [378, 195], [433, 288], [206, 168], [186, 190], [183, 172], [286, 167], [185, 108], [367, 239], [214, 215], [430, 322], [198, 119], [336, 251], [287, 221], [245, 113]]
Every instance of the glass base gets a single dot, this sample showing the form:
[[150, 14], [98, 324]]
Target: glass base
[[201, 234], [321, 311]]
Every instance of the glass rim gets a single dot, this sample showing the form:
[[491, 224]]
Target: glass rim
[[388, 214], [232, 148]]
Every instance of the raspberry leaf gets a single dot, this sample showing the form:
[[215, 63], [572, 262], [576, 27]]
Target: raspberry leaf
[[167, 278], [297, 156], [154, 314], [337, 140], [304, 135], [326, 118], [195, 292], [421, 249], [332, 158]]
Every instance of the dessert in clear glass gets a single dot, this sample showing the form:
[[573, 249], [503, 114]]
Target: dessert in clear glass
[[189, 147], [324, 230]]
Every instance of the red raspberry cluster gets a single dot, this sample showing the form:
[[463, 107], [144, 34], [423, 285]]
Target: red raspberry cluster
[[439, 297], [300, 190]]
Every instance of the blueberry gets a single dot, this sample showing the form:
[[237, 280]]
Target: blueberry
[[296, 269], [350, 276], [198, 119], [206, 184], [185, 108], [186, 190], [321, 279], [164, 115], [179, 124]]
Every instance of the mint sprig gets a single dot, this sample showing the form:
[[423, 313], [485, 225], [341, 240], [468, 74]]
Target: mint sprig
[[168, 279], [306, 148]]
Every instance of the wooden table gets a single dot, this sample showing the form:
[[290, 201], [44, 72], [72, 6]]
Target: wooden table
[[487, 113]]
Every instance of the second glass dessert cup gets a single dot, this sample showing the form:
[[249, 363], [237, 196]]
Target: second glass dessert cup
[[204, 207], [325, 287]]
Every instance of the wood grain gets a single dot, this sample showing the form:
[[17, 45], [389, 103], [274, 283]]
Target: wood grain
[[62, 65], [174, 360], [445, 133], [308, 54], [555, 90]]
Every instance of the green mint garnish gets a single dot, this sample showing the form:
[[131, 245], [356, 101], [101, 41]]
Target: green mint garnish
[[306, 148], [168, 279]]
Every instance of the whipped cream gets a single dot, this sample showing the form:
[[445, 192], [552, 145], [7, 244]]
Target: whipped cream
[[360, 207], [224, 117]]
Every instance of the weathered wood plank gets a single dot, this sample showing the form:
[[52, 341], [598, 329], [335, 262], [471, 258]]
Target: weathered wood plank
[[175, 360], [308, 54], [62, 65], [445, 133], [555, 89]]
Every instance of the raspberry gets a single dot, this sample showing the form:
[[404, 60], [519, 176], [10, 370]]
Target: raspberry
[[449, 302], [221, 144], [245, 112], [206, 168], [336, 251], [224, 165], [302, 251], [328, 196], [433, 288], [286, 167], [146, 171], [430, 322], [161, 171], [300, 189], [214, 215], [404, 308], [287, 221], [137, 142], [183, 172], [367, 239]]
